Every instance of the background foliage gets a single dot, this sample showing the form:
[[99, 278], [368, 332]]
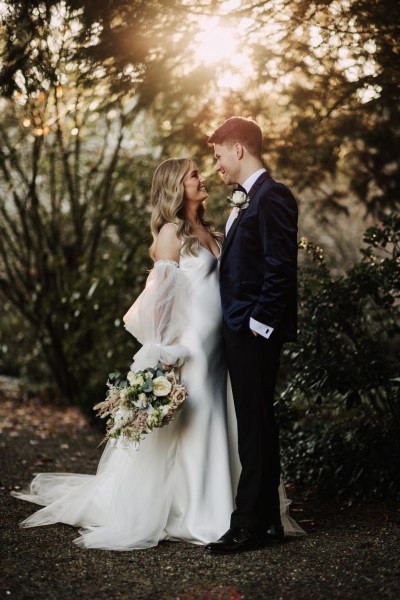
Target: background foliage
[[95, 94], [342, 385]]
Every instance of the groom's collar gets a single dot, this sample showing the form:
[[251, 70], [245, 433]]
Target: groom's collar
[[250, 181]]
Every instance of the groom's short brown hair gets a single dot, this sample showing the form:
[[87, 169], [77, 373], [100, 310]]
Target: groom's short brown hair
[[242, 130]]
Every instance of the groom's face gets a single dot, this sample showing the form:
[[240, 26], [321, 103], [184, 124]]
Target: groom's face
[[228, 163]]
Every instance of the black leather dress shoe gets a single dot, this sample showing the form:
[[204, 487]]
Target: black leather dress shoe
[[240, 539]]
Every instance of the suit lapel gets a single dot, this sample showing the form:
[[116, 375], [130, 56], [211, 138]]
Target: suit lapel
[[254, 189]]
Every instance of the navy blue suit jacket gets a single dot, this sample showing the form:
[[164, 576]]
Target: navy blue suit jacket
[[258, 267]]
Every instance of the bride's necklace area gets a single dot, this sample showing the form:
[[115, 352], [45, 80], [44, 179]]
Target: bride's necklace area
[[205, 239]]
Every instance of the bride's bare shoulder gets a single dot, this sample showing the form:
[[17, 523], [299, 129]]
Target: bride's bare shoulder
[[168, 244], [168, 229]]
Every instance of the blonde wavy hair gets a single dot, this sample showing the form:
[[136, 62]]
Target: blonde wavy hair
[[168, 202]]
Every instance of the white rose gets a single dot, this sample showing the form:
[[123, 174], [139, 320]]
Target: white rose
[[161, 386], [239, 199]]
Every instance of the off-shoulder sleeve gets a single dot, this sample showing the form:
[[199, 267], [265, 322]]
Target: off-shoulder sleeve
[[158, 317]]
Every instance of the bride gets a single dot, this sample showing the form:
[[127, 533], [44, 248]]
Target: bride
[[180, 483]]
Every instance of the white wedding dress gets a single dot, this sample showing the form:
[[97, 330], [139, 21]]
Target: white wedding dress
[[180, 483]]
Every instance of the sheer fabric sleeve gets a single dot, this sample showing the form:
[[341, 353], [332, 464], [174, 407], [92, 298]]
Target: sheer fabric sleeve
[[158, 317]]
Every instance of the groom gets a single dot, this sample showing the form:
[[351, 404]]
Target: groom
[[259, 293]]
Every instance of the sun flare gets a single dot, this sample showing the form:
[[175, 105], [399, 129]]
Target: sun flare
[[222, 48], [215, 43]]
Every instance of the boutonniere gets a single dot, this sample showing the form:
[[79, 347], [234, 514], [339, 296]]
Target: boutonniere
[[238, 200]]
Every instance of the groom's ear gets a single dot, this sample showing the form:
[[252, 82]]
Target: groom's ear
[[239, 149]]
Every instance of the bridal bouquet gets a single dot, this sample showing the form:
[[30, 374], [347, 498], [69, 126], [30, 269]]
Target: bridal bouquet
[[139, 402]]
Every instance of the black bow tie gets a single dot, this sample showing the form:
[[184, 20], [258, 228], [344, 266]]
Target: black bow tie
[[240, 188]]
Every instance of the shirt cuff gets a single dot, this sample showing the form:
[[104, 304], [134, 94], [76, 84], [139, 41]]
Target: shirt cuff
[[264, 330]]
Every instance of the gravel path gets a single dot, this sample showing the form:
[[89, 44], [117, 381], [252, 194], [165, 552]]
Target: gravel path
[[348, 552]]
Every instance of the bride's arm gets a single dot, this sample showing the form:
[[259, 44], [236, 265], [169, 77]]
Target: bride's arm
[[167, 244], [157, 318], [167, 248]]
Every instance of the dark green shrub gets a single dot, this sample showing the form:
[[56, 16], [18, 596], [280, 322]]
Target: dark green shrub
[[340, 400], [348, 349], [355, 459]]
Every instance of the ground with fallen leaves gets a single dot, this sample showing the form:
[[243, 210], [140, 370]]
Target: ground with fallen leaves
[[349, 552]]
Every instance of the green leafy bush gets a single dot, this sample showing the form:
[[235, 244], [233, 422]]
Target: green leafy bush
[[347, 354], [354, 459], [342, 385]]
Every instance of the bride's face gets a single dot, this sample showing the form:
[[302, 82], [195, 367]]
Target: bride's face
[[194, 185]]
